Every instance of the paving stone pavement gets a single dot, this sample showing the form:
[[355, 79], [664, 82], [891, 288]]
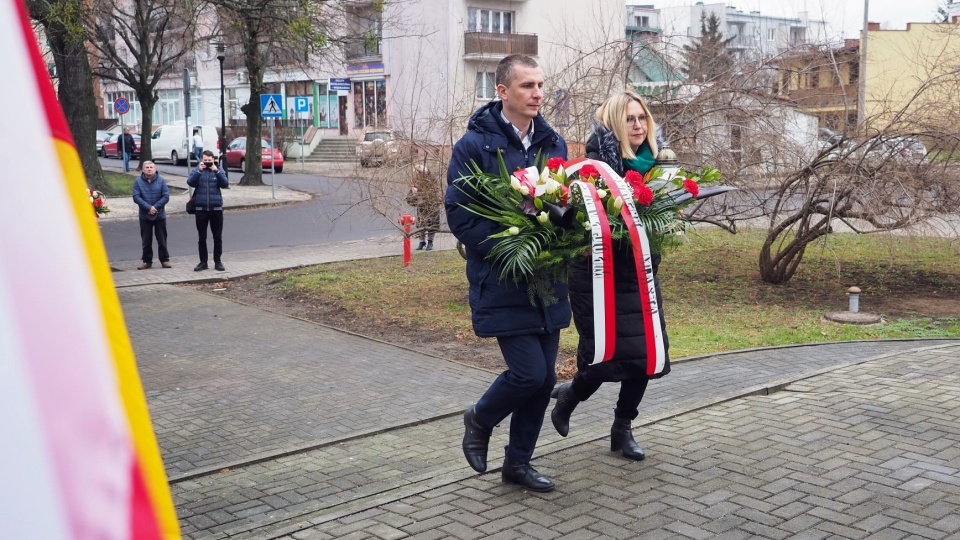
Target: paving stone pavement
[[272, 427], [285, 493], [870, 450], [227, 383]]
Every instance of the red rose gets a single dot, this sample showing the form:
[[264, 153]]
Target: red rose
[[635, 179], [589, 171], [691, 186], [643, 195], [554, 163], [98, 202]]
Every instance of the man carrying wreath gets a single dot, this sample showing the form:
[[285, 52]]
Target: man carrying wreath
[[528, 334]]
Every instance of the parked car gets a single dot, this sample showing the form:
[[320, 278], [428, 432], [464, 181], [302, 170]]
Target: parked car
[[111, 148], [237, 155], [900, 150], [378, 147], [102, 137]]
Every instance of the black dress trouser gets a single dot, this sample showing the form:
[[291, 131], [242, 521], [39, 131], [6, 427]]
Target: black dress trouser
[[149, 229], [215, 219]]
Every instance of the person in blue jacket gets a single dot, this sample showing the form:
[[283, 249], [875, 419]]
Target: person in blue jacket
[[528, 334], [151, 194], [208, 181]]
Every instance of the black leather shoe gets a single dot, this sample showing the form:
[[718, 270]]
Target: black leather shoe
[[621, 440], [526, 476], [476, 441], [566, 403], [219, 266], [200, 267], [429, 246], [421, 246]]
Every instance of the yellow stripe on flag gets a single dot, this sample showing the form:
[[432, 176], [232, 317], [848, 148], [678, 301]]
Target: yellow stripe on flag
[[131, 389]]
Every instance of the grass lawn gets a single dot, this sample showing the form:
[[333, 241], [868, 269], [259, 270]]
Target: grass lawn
[[713, 298], [121, 184]]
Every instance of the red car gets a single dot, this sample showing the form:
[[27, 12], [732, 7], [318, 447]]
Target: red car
[[237, 155], [111, 148]]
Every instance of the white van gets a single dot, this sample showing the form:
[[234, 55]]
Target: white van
[[172, 142]]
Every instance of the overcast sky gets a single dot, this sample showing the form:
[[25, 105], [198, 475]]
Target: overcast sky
[[844, 17]]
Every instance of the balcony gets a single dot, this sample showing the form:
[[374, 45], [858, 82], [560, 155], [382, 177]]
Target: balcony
[[490, 46], [362, 50]]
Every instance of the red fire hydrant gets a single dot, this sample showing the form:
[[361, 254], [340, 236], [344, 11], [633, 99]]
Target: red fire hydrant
[[406, 220]]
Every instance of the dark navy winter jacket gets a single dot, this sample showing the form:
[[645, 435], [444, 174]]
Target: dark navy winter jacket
[[500, 308], [151, 193], [208, 184]]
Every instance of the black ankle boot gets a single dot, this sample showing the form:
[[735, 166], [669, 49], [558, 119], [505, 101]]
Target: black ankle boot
[[524, 475], [566, 403], [621, 440], [430, 245], [421, 246], [476, 440]]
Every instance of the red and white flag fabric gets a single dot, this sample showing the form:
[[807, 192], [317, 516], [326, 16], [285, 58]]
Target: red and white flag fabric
[[78, 456]]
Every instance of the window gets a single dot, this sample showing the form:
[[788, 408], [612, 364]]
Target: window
[[771, 34], [489, 20], [643, 21], [370, 103], [486, 87]]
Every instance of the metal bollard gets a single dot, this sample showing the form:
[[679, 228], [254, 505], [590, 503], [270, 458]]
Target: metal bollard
[[854, 294], [406, 220]]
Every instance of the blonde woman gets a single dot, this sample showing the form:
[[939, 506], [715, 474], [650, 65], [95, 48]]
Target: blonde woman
[[623, 137]]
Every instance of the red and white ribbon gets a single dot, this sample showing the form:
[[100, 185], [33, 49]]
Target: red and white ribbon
[[656, 351], [601, 254]]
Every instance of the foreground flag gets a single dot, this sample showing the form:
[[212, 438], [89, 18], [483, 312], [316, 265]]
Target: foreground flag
[[78, 457]]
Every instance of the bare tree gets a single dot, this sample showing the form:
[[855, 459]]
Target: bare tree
[[800, 189], [138, 43], [272, 33], [62, 23]]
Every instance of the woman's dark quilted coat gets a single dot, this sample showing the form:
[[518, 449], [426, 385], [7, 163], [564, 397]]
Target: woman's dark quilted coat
[[630, 355]]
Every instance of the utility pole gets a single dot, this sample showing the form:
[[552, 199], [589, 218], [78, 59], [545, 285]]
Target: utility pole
[[862, 75]]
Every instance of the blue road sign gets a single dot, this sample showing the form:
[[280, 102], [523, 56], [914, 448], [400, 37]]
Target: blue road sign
[[271, 105], [301, 104], [121, 105]]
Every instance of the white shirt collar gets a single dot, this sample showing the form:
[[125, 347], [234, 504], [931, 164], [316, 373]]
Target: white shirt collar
[[525, 140]]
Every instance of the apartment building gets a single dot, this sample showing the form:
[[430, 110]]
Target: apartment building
[[822, 81], [912, 76], [418, 67], [754, 34]]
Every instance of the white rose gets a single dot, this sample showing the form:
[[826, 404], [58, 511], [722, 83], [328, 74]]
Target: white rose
[[543, 217], [552, 186], [602, 193], [618, 203], [513, 231], [587, 226]]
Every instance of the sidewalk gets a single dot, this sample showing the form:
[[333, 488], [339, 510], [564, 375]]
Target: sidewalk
[[234, 197], [273, 427]]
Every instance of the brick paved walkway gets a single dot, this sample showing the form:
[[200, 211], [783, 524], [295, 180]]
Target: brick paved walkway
[[272, 427], [863, 451]]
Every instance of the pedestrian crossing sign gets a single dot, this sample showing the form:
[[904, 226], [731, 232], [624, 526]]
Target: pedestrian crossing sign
[[271, 105]]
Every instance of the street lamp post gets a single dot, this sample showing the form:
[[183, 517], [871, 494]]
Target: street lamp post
[[221, 55]]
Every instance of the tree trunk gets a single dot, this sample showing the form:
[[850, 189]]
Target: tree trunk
[[147, 102], [255, 63], [254, 173], [75, 93]]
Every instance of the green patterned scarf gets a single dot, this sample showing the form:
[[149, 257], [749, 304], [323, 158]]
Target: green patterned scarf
[[643, 162]]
